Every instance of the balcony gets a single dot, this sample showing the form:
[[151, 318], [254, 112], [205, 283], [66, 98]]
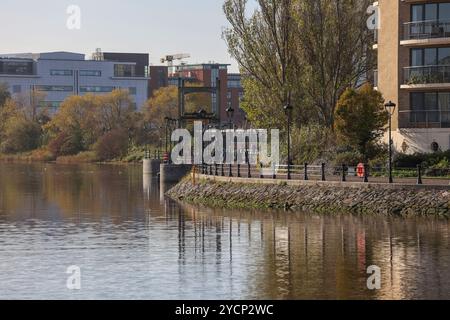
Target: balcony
[[426, 77], [424, 119], [426, 32]]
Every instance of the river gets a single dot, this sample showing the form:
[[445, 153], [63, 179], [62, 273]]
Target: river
[[130, 242]]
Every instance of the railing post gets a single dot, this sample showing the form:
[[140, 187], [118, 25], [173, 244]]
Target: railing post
[[230, 170], [216, 169], [344, 177], [419, 174], [249, 170], [366, 173], [306, 172], [261, 175], [323, 172], [274, 175], [222, 169], [210, 169], [239, 170]]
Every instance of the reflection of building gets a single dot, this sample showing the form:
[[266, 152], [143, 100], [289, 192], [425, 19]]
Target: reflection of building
[[58, 75], [413, 45]]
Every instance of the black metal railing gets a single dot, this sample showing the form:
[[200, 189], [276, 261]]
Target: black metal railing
[[322, 172], [426, 74], [426, 30]]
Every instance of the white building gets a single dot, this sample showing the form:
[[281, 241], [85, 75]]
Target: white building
[[61, 74]]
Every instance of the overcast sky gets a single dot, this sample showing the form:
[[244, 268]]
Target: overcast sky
[[149, 26]]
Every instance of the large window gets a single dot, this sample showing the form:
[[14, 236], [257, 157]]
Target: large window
[[61, 72], [54, 88], [430, 12], [96, 89], [430, 57], [124, 70], [16, 67], [90, 73], [430, 107]]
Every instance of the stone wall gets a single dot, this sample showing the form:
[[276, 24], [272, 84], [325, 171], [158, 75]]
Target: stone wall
[[316, 197]]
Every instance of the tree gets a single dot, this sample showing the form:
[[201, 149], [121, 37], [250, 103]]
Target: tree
[[301, 51], [263, 45], [335, 45], [20, 134], [78, 121], [4, 94], [360, 118]]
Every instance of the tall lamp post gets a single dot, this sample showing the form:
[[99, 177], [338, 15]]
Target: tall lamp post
[[230, 114], [288, 110], [390, 108]]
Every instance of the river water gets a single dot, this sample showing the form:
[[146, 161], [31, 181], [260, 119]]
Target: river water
[[129, 242]]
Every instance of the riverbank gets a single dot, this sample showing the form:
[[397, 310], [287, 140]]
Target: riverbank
[[312, 196]]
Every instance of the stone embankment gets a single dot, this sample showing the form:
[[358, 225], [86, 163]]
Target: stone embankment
[[309, 196]]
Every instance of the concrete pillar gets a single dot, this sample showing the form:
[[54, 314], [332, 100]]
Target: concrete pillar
[[151, 167], [171, 173]]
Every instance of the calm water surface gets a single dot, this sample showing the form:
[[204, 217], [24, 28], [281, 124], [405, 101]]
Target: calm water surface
[[132, 243]]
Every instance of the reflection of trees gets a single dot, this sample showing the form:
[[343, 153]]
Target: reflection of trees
[[76, 190], [306, 256]]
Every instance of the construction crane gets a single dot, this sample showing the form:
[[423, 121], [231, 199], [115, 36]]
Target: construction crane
[[171, 58]]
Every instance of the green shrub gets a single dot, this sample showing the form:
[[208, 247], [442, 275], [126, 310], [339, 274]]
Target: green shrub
[[349, 158], [20, 135]]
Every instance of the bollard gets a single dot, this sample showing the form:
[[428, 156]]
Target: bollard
[[419, 175], [306, 172], [344, 177], [323, 172], [366, 173]]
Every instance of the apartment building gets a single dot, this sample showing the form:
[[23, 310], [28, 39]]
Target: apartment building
[[413, 44], [58, 75]]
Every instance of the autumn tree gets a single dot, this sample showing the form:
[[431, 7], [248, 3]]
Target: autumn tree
[[360, 118], [4, 94]]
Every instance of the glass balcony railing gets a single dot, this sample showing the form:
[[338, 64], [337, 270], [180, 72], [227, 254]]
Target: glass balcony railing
[[424, 119], [426, 30], [427, 74]]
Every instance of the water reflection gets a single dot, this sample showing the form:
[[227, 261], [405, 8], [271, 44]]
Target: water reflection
[[131, 242]]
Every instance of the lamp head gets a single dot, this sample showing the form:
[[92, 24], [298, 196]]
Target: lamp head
[[390, 107]]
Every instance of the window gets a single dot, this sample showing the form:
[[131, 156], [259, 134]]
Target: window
[[50, 104], [16, 88], [430, 11], [61, 72], [124, 70], [132, 90], [96, 89], [430, 57], [16, 67], [430, 107], [90, 73], [54, 88]]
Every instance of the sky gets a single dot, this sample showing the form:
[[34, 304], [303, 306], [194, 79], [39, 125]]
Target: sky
[[146, 26]]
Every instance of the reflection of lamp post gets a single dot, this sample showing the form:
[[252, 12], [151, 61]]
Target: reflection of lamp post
[[390, 108], [288, 110]]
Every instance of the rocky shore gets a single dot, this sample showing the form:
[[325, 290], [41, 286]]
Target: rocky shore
[[317, 197]]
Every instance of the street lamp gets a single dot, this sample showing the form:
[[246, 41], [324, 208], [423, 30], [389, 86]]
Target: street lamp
[[390, 108], [288, 110]]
